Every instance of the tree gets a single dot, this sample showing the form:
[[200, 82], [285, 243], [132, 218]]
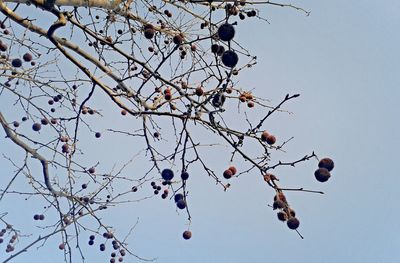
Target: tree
[[160, 74]]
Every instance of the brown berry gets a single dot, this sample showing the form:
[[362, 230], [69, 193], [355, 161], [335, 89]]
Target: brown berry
[[322, 174], [178, 39], [282, 216], [233, 170], [250, 104], [27, 57], [168, 96], [271, 139], [326, 163], [187, 234], [36, 126], [228, 174], [264, 136], [199, 91], [149, 32], [293, 223]]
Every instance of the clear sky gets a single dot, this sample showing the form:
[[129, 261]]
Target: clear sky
[[344, 60]]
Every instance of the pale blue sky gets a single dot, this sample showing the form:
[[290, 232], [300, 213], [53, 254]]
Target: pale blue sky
[[344, 60]]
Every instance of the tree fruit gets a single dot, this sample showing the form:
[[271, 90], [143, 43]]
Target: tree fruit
[[187, 234], [27, 57], [226, 32], [228, 174], [36, 126], [181, 204], [16, 62], [271, 139], [293, 223], [167, 174], [322, 174], [185, 175], [178, 197], [326, 163], [232, 169], [282, 216], [229, 58]]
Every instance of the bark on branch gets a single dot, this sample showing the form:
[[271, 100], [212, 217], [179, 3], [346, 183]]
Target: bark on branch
[[106, 4], [45, 164]]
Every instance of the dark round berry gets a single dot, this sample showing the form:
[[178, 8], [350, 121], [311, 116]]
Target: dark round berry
[[44, 121], [36, 217], [36, 126], [228, 174], [226, 32], [167, 174], [178, 39], [84, 186], [187, 234], [326, 163], [97, 135], [27, 57], [214, 48], [293, 223], [149, 32], [282, 216], [229, 58], [91, 237], [16, 62], [181, 204], [322, 174], [271, 139], [102, 247], [178, 197], [185, 175]]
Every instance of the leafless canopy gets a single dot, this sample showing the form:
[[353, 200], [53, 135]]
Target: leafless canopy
[[162, 75]]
